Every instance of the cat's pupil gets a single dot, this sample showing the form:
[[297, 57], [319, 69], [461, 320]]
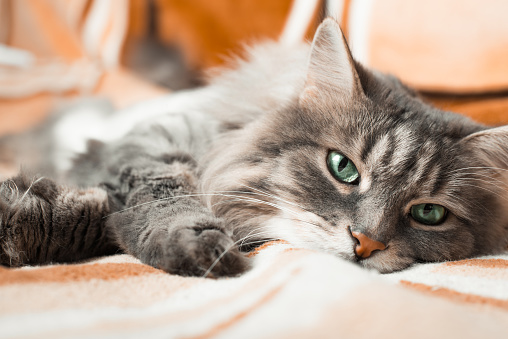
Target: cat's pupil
[[428, 214], [342, 164], [342, 168], [427, 209]]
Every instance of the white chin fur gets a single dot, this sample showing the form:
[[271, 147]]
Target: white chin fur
[[333, 240]]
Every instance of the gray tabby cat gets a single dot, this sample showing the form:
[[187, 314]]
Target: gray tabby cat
[[301, 144]]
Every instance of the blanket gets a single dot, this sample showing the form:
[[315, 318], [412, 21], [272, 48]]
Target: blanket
[[288, 293]]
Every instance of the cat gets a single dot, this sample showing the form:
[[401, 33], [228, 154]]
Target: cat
[[302, 144]]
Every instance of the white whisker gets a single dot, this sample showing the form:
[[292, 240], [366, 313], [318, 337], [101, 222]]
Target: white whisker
[[485, 189], [484, 168], [481, 175], [275, 197], [174, 197], [28, 190], [216, 261]]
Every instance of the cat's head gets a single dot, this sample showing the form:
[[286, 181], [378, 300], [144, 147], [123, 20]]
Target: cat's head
[[360, 167]]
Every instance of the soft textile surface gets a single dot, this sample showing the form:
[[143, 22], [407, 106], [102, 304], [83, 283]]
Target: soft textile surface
[[290, 293], [435, 45]]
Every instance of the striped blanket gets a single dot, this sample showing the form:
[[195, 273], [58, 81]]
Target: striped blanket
[[289, 293]]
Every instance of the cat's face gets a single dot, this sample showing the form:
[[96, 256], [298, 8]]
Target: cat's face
[[361, 168], [381, 185]]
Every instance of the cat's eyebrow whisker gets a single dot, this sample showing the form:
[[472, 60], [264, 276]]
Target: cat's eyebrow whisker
[[485, 168], [481, 175], [480, 206], [483, 188], [481, 180]]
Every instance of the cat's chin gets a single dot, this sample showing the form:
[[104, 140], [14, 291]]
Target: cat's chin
[[386, 262], [312, 232]]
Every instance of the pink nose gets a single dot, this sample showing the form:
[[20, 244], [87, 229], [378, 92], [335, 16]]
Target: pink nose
[[366, 245]]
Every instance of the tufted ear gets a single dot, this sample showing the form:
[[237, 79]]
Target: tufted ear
[[331, 69], [490, 145]]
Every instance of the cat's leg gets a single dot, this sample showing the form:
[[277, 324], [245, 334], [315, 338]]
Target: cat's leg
[[163, 223], [42, 222], [156, 214]]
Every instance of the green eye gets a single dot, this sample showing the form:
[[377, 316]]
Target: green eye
[[428, 214], [342, 168]]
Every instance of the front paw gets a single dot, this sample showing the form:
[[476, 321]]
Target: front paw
[[203, 249]]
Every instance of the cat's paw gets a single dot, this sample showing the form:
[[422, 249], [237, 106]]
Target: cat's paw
[[201, 250], [25, 211]]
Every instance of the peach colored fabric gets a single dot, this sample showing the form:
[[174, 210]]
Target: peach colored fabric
[[441, 45], [490, 110], [74, 51], [208, 32], [77, 39]]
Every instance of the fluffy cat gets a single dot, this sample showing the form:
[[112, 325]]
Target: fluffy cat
[[301, 144]]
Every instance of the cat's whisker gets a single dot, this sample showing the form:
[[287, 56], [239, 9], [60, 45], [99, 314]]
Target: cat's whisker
[[275, 197], [478, 180], [262, 202], [481, 175], [484, 168], [263, 241], [466, 203], [301, 220], [490, 191], [250, 235], [216, 261], [219, 193], [28, 190], [9, 184], [484, 178], [17, 189]]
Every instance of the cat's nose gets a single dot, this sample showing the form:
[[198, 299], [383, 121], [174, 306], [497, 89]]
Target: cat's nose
[[366, 245]]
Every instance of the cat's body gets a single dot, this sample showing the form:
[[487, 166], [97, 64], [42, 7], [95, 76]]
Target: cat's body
[[262, 153]]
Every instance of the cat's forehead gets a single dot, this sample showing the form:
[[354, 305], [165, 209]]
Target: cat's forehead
[[407, 145]]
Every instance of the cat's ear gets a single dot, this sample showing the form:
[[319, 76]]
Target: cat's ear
[[331, 69], [490, 146]]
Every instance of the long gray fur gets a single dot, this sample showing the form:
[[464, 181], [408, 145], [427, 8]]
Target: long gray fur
[[245, 162]]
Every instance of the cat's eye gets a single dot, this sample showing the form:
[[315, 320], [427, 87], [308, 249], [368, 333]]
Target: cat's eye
[[342, 168], [428, 214]]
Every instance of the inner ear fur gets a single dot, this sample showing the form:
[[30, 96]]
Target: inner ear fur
[[331, 70]]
